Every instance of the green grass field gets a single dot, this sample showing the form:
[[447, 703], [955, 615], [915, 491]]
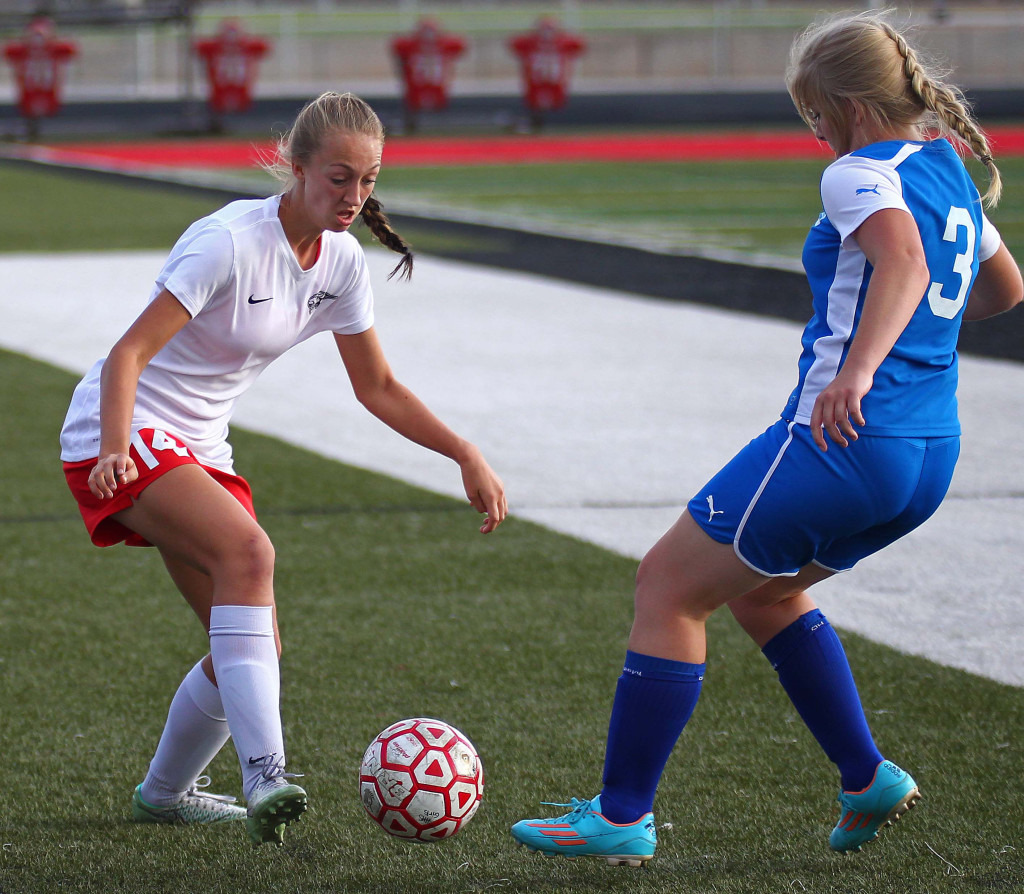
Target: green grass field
[[751, 207], [391, 605]]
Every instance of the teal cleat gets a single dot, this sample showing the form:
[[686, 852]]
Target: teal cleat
[[584, 832], [195, 807], [862, 814]]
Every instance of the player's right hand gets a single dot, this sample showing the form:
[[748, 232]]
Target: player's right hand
[[110, 471], [837, 410], [485, 491]]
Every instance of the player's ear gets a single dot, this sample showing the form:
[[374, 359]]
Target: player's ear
[[298, 171]]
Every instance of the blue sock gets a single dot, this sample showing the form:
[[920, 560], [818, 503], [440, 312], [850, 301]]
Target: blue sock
[[813, 669], [653, 701]]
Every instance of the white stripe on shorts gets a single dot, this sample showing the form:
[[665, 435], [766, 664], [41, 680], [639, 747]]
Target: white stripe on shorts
[[753, 502]]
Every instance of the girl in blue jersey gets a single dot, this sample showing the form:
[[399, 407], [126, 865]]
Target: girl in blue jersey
[[864, 452]]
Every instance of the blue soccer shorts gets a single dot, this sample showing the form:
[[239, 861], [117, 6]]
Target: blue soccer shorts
[[784, 503]]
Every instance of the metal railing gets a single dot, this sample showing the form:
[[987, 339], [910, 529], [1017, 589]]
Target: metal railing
[[317, 44]]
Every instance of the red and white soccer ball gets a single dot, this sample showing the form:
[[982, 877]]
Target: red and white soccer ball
[[421, 780]]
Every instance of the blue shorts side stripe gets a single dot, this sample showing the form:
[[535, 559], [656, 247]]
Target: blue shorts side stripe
[[753, 503]]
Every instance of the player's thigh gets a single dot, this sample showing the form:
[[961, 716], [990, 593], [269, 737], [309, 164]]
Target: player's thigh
[[686, 570], [193, 519]]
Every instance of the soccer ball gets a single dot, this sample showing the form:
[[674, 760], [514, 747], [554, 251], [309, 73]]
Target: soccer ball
[[421, 780]]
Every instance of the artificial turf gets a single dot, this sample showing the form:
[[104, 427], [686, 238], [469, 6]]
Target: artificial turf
[[391, 605]]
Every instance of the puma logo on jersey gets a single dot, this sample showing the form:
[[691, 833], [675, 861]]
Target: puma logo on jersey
[[866, 189], [314, 300], [712, 512]]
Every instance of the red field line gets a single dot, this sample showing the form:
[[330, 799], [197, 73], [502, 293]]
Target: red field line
[[524, 149]]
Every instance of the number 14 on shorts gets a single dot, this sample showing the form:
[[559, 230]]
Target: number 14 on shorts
[[157, 441]]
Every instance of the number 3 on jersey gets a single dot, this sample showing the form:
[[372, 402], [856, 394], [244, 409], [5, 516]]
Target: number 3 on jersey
[[941, 306], [159, 440]]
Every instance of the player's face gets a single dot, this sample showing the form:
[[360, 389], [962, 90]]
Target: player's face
[[339, 178], [825, 131]]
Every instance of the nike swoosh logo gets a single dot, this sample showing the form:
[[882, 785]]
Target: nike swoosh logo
[[254, 300]]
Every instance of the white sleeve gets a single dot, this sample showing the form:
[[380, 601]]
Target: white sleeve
[[852, 189], [990, 240], [199, 265]]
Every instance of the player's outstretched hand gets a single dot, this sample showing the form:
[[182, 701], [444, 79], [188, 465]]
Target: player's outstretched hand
[[109, 472], [484, 489]]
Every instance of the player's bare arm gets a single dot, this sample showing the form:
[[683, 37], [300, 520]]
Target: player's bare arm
[[148, 334], [377, 389], [892, 245]]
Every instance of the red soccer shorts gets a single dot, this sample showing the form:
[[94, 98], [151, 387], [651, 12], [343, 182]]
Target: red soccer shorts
[[154, 452]]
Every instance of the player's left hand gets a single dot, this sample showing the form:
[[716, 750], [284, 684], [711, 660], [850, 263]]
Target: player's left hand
[[837, 410], [484, 489]]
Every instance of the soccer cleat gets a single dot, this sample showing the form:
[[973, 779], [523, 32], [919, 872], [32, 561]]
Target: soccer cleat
[[584, 832], [271, 809], [274, 803], [862, 814], [194, 807]]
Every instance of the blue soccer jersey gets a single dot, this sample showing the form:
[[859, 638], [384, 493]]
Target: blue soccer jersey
[[914, 390]]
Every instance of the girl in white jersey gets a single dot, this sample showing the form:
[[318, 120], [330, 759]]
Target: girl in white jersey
[[901, 254], [145, 450]]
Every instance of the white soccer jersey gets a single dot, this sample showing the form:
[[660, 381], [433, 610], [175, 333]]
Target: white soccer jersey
[[237, 276]]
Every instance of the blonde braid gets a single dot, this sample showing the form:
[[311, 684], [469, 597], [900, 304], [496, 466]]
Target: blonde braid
[[377, 221], [947, 104]]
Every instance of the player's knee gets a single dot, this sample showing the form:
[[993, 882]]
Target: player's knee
[[747, 614], [647, 570], [660, 592], [249, 560]]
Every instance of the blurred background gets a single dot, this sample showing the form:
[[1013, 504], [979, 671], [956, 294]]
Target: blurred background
[[136, 64]]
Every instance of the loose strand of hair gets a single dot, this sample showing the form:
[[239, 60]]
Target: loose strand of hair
[[274, 162]]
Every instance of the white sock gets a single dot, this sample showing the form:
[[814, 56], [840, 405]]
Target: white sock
[[245, 663], [196, 729]]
